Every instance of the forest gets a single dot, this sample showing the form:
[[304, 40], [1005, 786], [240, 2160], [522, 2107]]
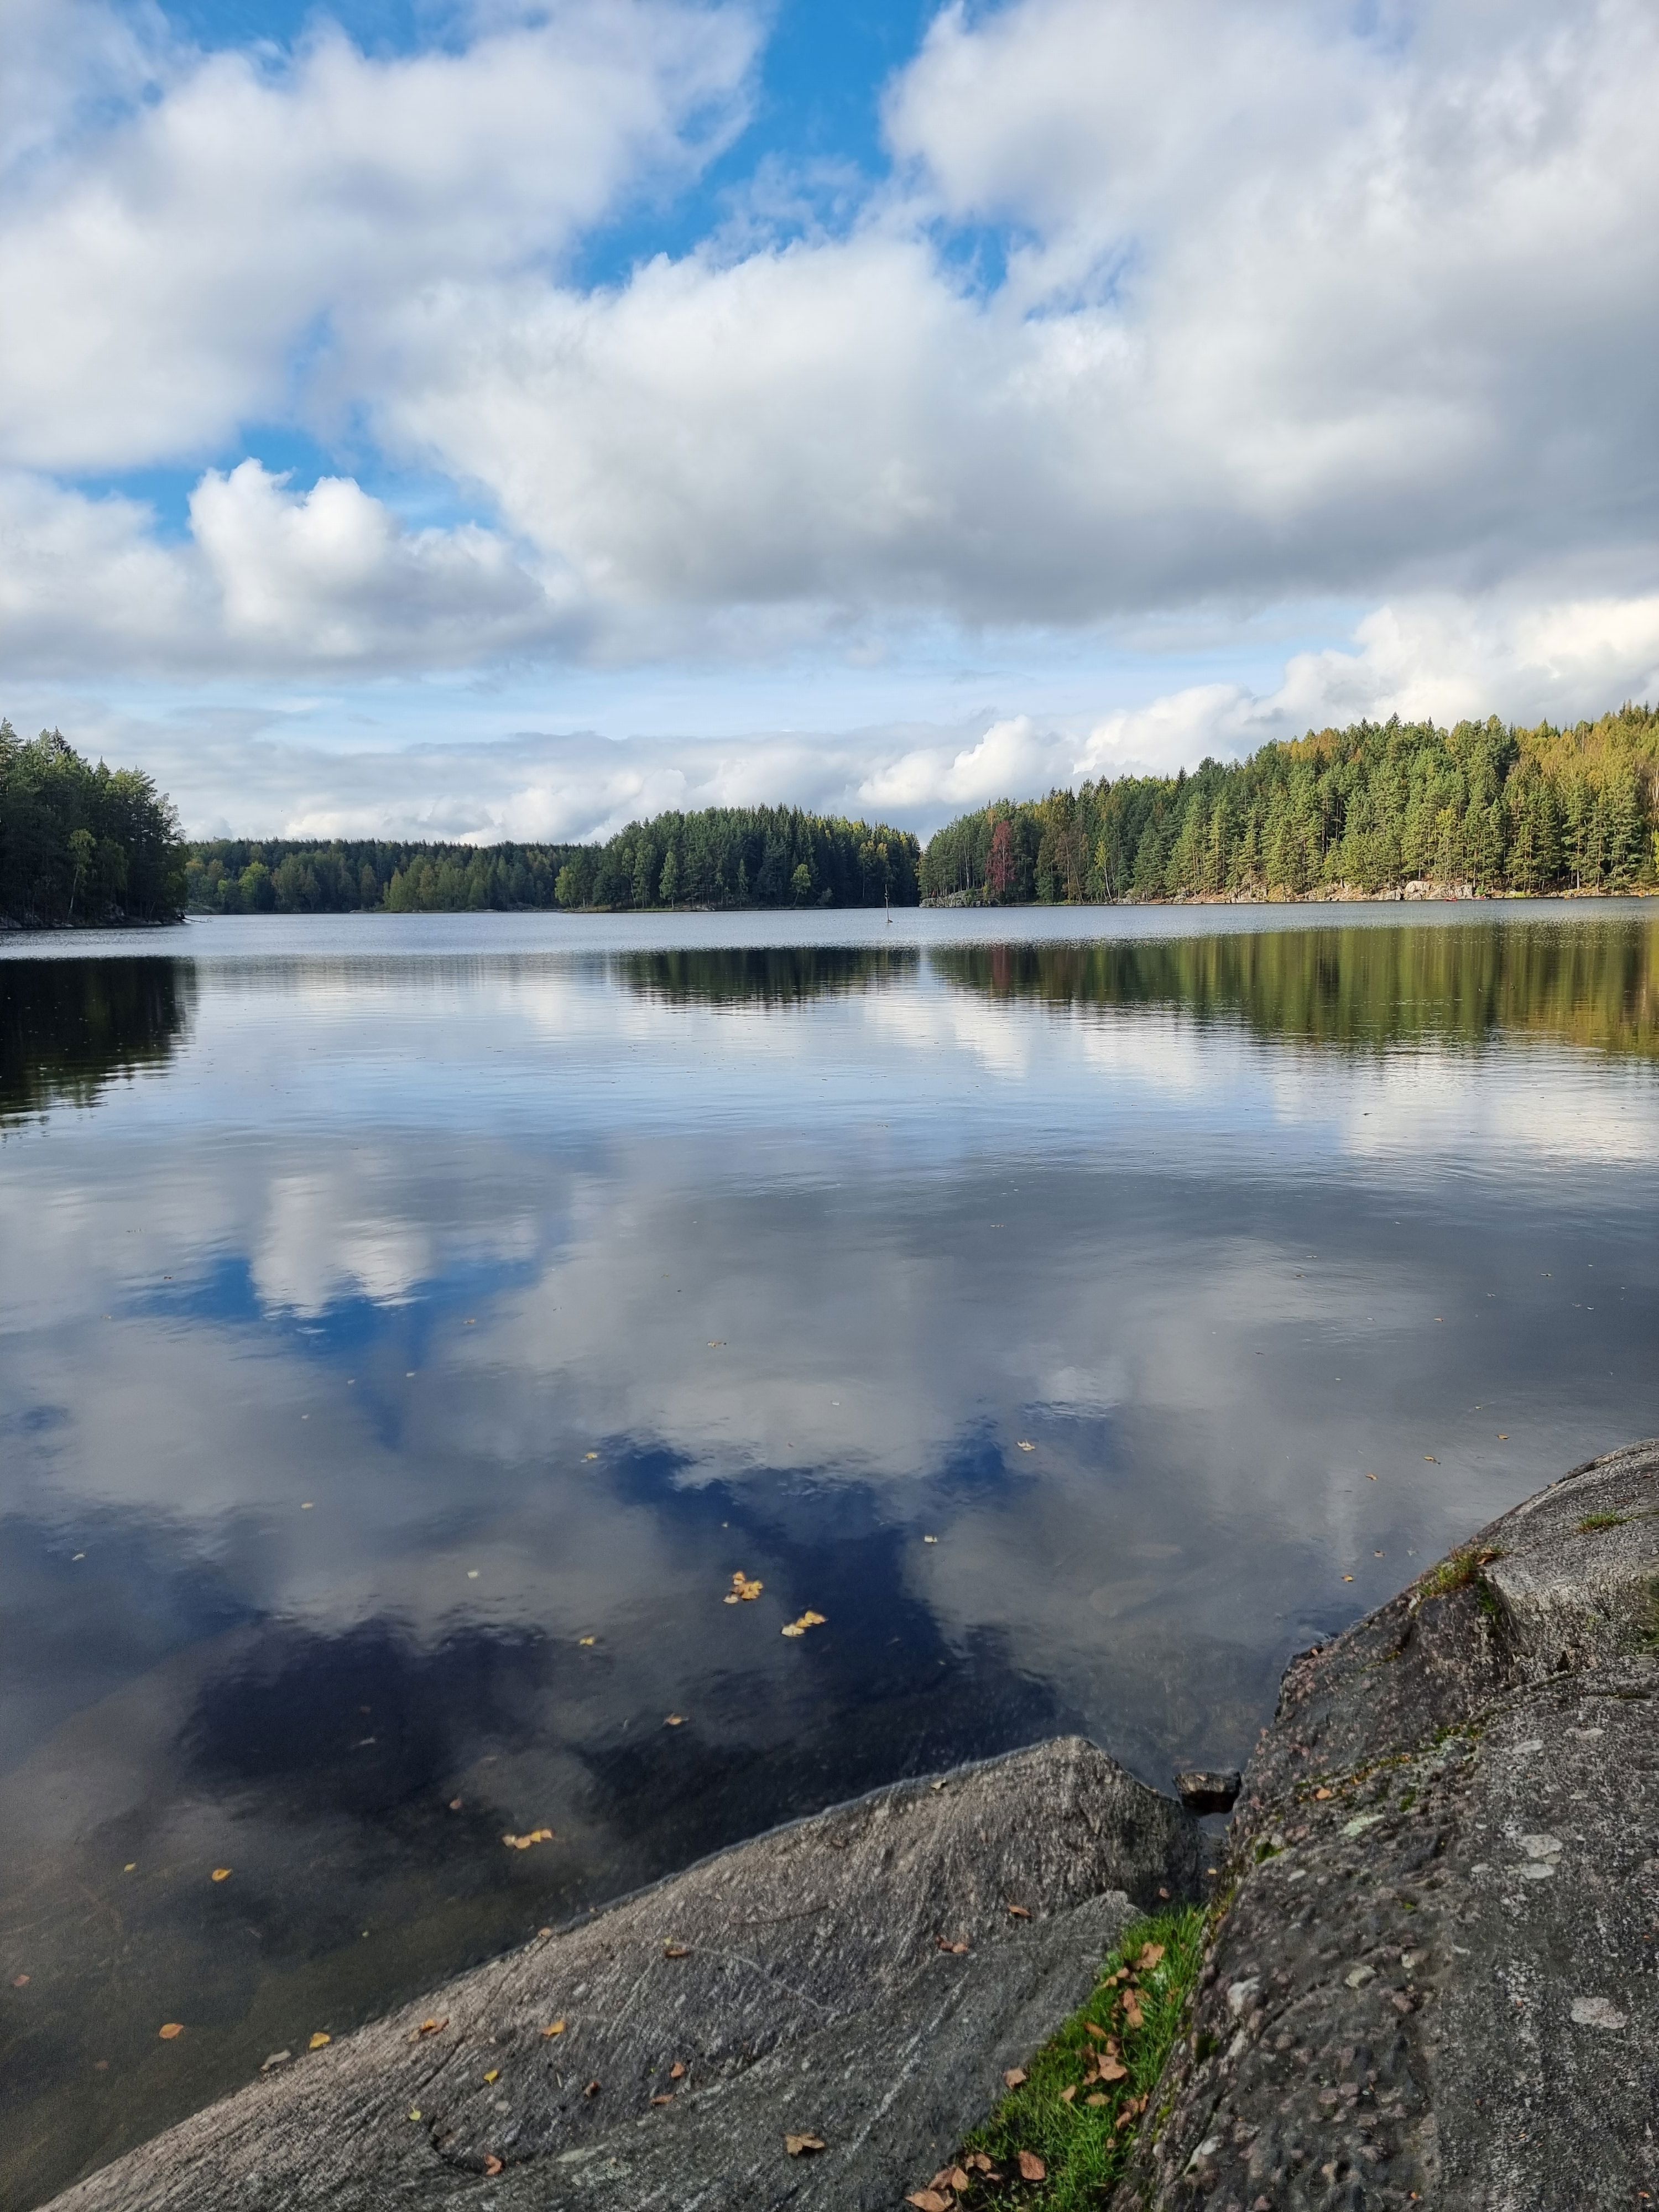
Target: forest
[[723, 856], [82, 844], [1482, 808]]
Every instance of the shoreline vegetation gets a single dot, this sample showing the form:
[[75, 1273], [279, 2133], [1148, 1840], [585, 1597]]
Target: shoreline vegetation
[[1380, 812]]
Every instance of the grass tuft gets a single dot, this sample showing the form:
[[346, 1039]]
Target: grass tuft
[[1083, 2146], [1592, 1522], [1458, 1572]]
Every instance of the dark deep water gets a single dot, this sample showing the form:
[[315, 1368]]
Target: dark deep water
[[408, 1328]]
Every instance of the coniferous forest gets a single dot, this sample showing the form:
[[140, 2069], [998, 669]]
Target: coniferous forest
[[1481, 807], [723, 856], [79, 843]]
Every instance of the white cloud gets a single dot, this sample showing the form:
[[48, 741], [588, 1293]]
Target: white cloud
[[1195, 310], [160, 273]]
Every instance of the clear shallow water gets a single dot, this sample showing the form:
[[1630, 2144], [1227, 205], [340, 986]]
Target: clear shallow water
[[388, 1306]]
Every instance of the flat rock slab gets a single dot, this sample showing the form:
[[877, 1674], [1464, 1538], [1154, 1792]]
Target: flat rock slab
[[1435, 1985], [858, 1977]]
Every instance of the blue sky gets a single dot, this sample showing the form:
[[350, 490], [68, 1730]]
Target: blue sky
[[507, 418]]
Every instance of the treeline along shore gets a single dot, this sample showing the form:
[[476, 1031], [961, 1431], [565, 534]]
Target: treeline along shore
[[1379, 809], [1482, 809]]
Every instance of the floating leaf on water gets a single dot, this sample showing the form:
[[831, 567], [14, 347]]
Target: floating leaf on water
[[319, 2041], [674, 1720], [590, 1455], [535, 1836], [276, 2058], [1025, 1446], [221, 1873], [930, 1539], [808, 1619], [804, 2146], [455, 1804], [171, 2029], [585, 1640], [676, 1950], [131, 1867], [19, 1981]]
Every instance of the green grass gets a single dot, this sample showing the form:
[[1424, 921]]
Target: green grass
[[1457, 1572], [1594, 1521], [1082, 2145]]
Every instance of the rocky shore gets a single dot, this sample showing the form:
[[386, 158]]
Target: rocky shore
[[1430, 1978]]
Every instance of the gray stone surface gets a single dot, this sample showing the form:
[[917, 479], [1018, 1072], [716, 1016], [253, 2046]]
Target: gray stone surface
[[801, 1980], [1435, 1984]]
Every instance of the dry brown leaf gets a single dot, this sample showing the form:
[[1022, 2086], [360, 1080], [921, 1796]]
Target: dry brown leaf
[[676, 1950], [957, 2179], [454, 1804], [1068, 2093], [957, 1950], [221, 1873], [980, 2162], [172, 2028], [1090, 2028], [1031, 2167], [591, 2090], [1099, 2097], [319, 2041], [676, 2071], [662, 2100], [801, 2146], [808, 1619], [19, 1981], [1151, 1955], [557, 2028], [1321, 1795], [1111, 2071], [674, 1720], [1013, 2077], [1019, 1913], [928, 2199], [492, 2164]]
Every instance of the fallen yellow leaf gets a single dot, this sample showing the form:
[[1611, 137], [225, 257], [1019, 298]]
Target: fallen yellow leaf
[[1025, 1446], [674, 1720], [493, 2074], [172, 2028], [557, 2028], [799, 1627], [535, 1836], [319, 2041], [414, 2111], [585, 1640], [221, 1873]]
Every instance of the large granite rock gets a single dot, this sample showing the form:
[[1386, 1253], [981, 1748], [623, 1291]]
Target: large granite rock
[[1436, 1983], [802, 1982]]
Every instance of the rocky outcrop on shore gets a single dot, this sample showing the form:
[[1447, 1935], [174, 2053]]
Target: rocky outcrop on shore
[[1435, 1983], [1431, 1980], [859, 1980]]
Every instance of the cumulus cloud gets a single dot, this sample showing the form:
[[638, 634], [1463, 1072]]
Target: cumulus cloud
[[1190, 310], [268, 578], [248, 218]]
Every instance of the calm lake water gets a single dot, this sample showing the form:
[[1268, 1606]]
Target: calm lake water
[[409, 1327]]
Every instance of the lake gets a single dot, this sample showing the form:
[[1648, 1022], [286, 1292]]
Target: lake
[[409, 1327]]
